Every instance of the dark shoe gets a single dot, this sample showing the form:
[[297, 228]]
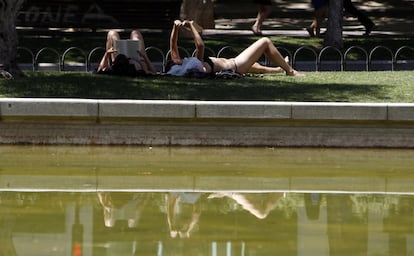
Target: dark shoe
[[321, 35], [310, 31], [256, 33], [369, 28]]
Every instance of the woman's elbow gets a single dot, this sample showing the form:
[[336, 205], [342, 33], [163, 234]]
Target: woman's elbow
[[200, 47]]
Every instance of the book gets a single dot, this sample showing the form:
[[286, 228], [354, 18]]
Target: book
[[129, 48]]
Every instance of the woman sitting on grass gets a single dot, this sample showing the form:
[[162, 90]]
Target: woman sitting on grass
[[119, 64], [245, 62]]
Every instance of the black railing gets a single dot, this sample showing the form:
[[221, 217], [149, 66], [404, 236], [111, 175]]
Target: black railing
[[305, 58]]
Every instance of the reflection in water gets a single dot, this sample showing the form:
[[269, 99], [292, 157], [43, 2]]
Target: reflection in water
[[7, 220], [258, 204], [107, 201], [183, 211], [214, 223], [122, 207]]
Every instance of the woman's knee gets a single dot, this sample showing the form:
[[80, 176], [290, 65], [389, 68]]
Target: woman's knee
[[136, 34], [266, 40], [112, 34]]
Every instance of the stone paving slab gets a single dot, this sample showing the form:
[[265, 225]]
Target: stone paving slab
[[401, 112], [289, 18], [246, 109], [145, 109], [340, 111], [26, 107]]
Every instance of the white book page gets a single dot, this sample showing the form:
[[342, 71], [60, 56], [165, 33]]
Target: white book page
[[128, 47]]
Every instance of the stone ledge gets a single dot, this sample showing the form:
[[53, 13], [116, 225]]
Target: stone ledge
[[146, 109], [98, 109], [340, 111], [401, 112], [202, 123], [239, 109], [26, 107]]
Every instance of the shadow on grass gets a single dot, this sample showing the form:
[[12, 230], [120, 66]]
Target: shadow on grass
[[278, 88]]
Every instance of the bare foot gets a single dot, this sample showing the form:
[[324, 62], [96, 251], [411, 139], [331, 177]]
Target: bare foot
[[294, 73], [278, 70]]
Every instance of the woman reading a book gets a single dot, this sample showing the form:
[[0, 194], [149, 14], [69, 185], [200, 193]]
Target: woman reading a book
[[245, 62], [119, 64]]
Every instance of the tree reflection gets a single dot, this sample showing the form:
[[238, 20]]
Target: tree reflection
[[184, 223], [7, 222], [346, 232], [399, 224]]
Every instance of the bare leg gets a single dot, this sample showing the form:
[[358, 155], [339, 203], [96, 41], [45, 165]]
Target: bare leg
[[263, 12], [110, 38], [260, 205], [250, 55], [109, 55], [136, 35], [320, 16], [256, 68], [148, 67], [311, 28]]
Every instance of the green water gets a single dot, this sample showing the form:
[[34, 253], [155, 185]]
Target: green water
[[205, 201]]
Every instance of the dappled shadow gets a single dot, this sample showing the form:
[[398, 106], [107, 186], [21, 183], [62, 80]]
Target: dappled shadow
[[84, 85], [268, 90]]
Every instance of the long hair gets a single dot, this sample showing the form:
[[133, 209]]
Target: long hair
[[121, 66]]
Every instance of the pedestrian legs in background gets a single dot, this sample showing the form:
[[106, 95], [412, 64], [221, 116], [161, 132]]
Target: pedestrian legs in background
[[365, 21], [321, 13], [264, 10]]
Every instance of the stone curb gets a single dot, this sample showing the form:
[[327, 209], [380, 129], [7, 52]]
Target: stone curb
[[206, 123], [101, 109]]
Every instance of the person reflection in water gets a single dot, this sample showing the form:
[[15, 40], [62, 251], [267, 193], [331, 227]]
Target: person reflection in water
[[258, 204], [123, 207], [183, 213]]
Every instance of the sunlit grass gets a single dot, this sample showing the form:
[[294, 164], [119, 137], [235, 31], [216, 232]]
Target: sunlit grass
[[382, 86]]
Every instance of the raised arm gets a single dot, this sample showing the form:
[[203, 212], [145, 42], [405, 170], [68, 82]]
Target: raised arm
[[104, 64], [198, 41], [175, 55]]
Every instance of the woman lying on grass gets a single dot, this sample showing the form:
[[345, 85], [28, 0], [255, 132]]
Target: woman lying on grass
[[120, 64], [245, 62]]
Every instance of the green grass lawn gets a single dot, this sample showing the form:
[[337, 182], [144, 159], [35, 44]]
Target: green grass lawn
[[315, 86], [384, 86]]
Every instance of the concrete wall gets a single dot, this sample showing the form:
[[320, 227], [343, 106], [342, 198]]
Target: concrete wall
[[205, 123]]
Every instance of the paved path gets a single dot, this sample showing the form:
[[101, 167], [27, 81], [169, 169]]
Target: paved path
[[289, 18]]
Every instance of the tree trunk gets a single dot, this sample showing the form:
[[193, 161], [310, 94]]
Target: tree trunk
[[334, 31], [200, 11], [8, 35]]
